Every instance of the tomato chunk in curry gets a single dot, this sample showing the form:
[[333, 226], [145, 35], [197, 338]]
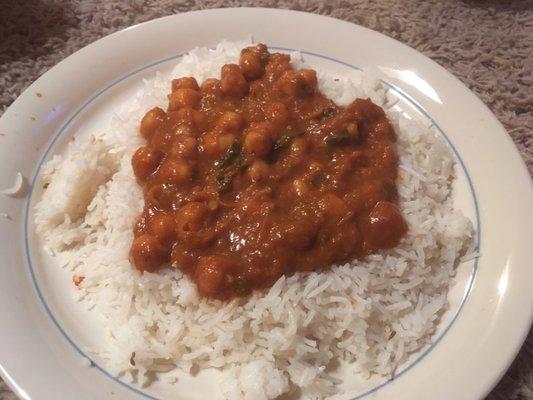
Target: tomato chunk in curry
[[258, 174]]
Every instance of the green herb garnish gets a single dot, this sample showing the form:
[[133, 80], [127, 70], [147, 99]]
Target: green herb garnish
[[240, 163], [329, 112], [229, 165], [233, 151], [283, 141], [224, 179], [265, 57], [337, 137]]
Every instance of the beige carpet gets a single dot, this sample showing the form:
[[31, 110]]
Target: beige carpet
[[486, 44]]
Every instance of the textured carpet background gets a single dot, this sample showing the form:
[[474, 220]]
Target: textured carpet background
[[486, 44]]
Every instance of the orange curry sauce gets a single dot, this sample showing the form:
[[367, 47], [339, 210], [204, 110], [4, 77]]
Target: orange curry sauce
[[258, 174]]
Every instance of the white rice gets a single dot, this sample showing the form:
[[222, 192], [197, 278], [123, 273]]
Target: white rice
[[372, 313]]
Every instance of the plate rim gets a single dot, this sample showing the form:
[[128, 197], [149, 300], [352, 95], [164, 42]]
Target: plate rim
[[155, 21], [63, 131]]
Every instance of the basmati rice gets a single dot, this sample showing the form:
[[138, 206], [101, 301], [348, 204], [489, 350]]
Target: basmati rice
[[372, 313]]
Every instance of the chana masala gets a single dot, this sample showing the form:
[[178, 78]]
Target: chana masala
[[258, 174]]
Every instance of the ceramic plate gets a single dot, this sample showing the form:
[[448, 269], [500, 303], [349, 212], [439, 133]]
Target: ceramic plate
[[43, 333]]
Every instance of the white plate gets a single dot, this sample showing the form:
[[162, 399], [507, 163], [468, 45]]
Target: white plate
[[42, 336]]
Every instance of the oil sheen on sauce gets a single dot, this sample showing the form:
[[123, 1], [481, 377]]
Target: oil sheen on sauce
[[258, 174]]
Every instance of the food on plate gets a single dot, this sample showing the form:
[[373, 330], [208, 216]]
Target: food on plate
[[371, 313], [258, 174]]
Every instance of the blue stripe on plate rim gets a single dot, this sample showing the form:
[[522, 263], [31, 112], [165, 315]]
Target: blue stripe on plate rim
[[395, 89]]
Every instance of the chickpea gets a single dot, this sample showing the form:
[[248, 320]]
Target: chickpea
[[301, 187], [151, 121], [174, 171], [314, 169], [382, 129], [161, 196], [185, 83], [258, 141], [145, 161], [213, 204], [209, 143], [162, 139], [232, 82], [308, 80], [384, 226], [258, 170], [344, 240], [299, 147], [366, 109], [264, 55], [251, 64], [230, 122], [191, 117], [297, 84], [386, 159], [191, 216], [277, 113], [184, 130], [215, 143], [261, 48], [257, 201], [277, 64], [288, 83], [147, 253], [333, 206], [184, 147], [256, 88], [161, 225], [225, 141], [367, 195], [191, 224], [183, 257], [299, 234], [183, 98], [211, 273], [211, 86]]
